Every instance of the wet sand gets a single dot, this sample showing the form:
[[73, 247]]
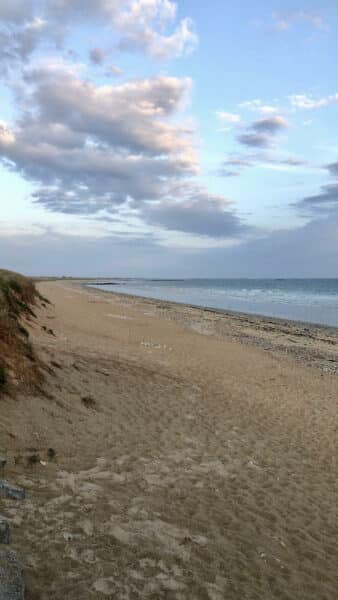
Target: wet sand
[[195, 454]]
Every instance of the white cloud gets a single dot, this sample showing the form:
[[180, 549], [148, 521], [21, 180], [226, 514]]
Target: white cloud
[[148, 26], [19, 40], [257, 105], [131, 115], [235, 164], [142, 24], [302, 101], [296, 101], [228, 117], [286, 21], [265, 109], [95, 134], [114, 152], [93, 150]]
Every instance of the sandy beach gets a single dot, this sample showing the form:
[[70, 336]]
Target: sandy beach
[[179, 453]]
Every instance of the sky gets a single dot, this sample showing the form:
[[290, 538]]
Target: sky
[[146, 138]]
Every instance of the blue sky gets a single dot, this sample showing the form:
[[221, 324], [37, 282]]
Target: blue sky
[[142, 137]]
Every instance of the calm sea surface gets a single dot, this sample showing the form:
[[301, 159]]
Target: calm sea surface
[[310, 300]]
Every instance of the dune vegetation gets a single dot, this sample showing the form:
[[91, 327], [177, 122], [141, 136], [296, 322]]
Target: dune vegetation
[[18, 297]]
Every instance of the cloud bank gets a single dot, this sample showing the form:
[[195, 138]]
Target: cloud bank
[[107, 150], [139, 25], [123, 152]]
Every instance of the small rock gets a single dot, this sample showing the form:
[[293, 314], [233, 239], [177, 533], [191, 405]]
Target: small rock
[[11, 491], [11, 579], [3, 462], [5, 534]]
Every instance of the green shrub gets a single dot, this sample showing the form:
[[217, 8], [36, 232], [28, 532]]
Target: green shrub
[[18, 296], [15, 285]]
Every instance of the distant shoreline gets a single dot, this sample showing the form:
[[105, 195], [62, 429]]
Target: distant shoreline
[[222, 311], [90, 282], [309, 343]]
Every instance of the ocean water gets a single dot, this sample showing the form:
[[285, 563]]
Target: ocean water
[[309, 300]]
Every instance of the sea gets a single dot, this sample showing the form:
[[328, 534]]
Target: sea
[[307, 300]]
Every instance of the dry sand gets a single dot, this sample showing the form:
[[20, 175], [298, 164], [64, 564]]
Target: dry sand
[[195, 454]]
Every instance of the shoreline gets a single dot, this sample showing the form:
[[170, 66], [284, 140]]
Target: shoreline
[[222, 311], [252, 329], [90, 281]]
